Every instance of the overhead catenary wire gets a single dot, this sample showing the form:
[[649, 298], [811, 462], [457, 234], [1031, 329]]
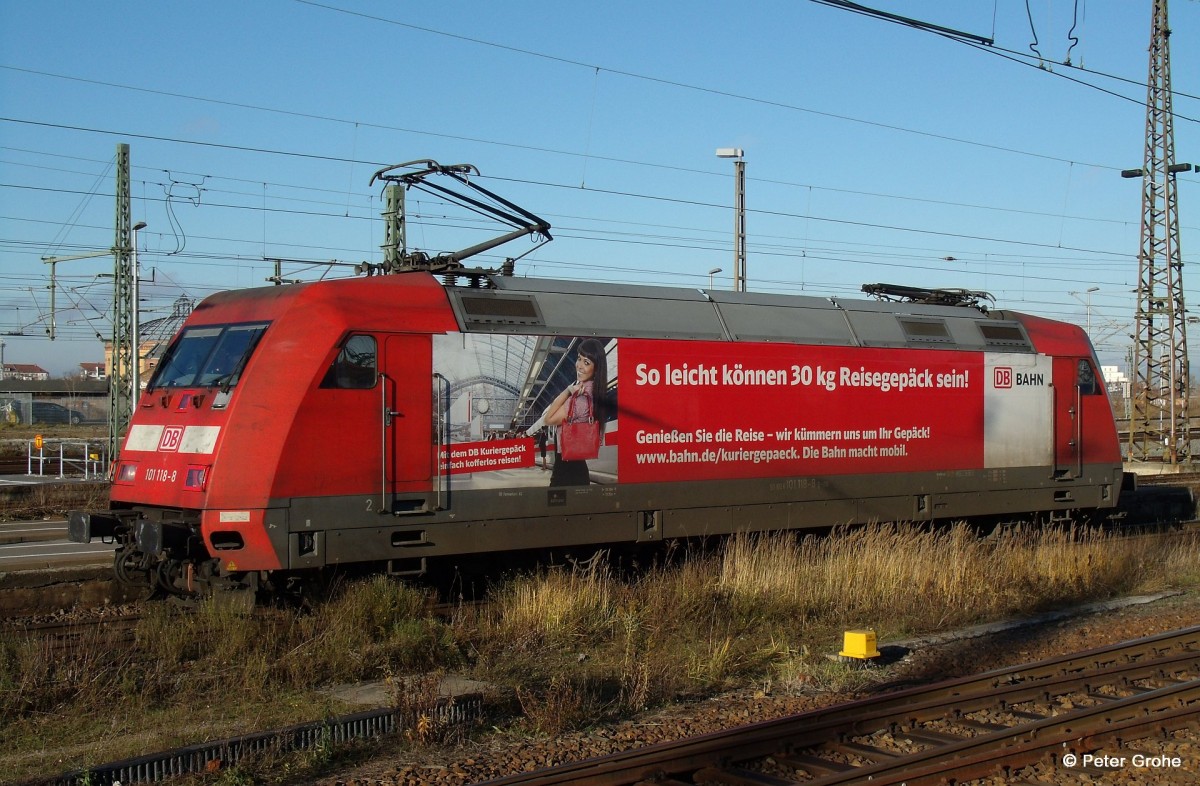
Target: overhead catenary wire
[[534, 148], [674, 200], [292, 152], [356, 123], [615, 236], [1018, 57], [754, 180]]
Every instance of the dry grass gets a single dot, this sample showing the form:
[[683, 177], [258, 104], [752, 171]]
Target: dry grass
[[766, 608], [210, 673], [572, 646], [557, 607], [890, 572]]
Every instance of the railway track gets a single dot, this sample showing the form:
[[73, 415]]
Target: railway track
[[11, 466], [114, 628], [1061, 709], [91, 632]]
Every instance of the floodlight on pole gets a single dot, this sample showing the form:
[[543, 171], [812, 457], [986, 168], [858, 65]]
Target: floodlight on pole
[[739, 215], [1088, 304], [1090, 290]]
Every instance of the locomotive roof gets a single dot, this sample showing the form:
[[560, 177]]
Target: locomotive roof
[[572, 308]]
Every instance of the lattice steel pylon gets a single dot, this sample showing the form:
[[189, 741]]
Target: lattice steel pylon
[[120, 381], [394, 241], [1159, 420]]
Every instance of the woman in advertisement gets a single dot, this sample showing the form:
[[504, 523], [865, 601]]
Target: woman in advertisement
[[581, 402]]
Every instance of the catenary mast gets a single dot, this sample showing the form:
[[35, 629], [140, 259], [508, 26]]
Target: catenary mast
[[1159, 420], [124, 354]]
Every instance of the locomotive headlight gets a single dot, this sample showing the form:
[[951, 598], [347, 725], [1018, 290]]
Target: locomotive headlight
[[126, 474], [196, 478]]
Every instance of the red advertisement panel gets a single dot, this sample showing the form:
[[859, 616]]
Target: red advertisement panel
[[712, 410]]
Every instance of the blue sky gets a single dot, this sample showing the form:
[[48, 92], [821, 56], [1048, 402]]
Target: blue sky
[[875, 152]]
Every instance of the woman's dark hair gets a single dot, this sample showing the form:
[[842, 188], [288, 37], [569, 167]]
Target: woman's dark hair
[[592, 349]]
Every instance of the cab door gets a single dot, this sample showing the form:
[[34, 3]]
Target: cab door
[[406, 422], [1078, 398]]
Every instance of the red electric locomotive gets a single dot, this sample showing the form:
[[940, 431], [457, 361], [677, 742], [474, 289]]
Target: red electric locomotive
[[397, 419]]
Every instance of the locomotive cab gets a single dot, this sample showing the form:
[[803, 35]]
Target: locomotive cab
[[263, 400], [165, 468]]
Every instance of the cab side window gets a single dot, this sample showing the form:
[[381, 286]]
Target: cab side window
[[1088, 384], [354, 367]]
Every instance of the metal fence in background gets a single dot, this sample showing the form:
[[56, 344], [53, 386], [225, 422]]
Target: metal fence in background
[[66, 410], [65, 458]]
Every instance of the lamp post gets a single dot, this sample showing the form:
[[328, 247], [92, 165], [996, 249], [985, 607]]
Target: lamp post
[[739, 215], [712, 273], [1088, 304], [1090, 290], [136, 375]]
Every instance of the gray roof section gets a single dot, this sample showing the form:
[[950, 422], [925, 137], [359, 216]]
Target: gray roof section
[[534, 306]]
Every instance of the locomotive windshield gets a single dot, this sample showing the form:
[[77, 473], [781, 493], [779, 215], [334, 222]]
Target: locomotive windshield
[[210, 356]]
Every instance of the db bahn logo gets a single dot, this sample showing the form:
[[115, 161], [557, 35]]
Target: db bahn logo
[[171, 437], [1003, 378]]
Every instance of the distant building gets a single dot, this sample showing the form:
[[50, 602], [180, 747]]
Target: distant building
[[25, 371], [155, 335], [93, 370], [1116, 381]]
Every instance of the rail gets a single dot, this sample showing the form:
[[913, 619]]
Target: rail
[[73, 457], [962, 729], [211, 756]]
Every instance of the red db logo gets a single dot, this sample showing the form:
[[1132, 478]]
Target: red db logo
[[1003, 377], [171, 437]]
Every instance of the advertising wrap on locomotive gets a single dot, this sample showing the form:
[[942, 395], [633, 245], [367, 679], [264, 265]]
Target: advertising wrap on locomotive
[[396, 419]]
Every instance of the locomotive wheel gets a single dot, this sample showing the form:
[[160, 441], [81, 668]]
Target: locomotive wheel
[[127, 565], [169, 575]]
